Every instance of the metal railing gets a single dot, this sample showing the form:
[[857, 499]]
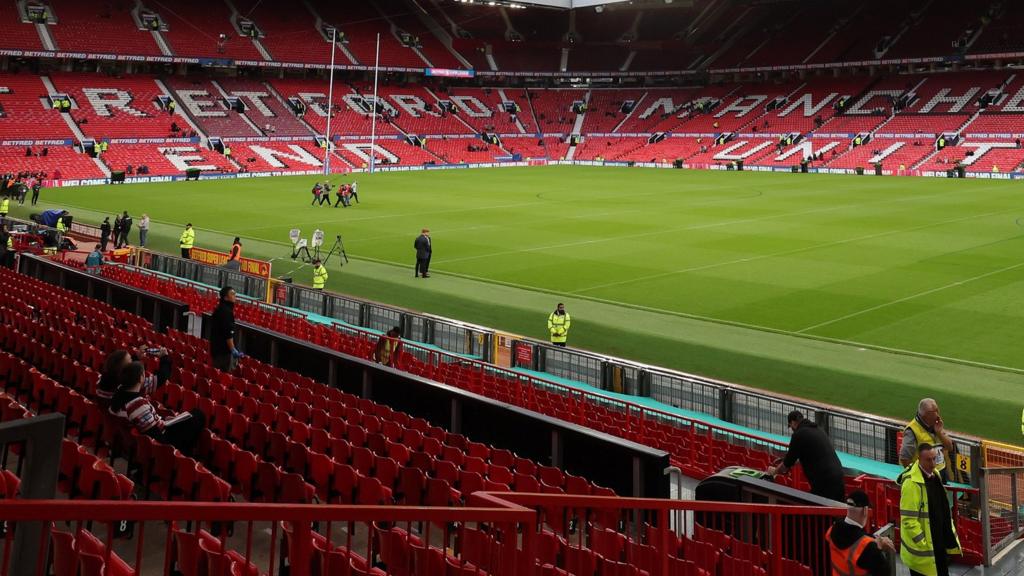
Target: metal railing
[[1002, 512]]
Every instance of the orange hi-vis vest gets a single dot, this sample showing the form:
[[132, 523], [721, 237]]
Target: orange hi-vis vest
[[844, 562]]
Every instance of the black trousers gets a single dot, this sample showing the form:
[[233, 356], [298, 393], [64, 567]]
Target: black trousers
[[422, 266], [103, 242], [830, 488], [35, 198], [186, 253], [185, 434]]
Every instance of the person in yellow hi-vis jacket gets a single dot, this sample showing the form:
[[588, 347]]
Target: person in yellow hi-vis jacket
[[558, 325], [927, 534], [187, 241], [61, 227], [319, 275]]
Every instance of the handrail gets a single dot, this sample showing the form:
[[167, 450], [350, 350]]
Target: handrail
[[17, 510]]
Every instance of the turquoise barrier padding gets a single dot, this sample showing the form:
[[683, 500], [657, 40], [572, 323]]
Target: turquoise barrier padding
[[857, 463]]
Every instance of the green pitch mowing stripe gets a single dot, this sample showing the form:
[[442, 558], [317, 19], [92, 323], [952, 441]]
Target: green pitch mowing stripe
[[864, 292]]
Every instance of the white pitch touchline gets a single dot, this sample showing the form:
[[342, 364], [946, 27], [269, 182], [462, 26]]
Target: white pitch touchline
[[682, 229], [787, 252], [912, 297]]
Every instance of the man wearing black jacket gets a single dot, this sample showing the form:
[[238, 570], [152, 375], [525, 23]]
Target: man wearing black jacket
[[813, 449], [223, 352], [852, 547], [423, 252]]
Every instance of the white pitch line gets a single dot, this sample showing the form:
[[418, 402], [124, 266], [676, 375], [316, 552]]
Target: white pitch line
[[912, 297], [787, 252]]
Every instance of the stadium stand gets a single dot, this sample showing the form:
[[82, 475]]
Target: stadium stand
[[289, 32], [71, 163], [264, 107], [418, 110], [170, 159], [483, 109], [407, 20], [553, 109], [349, 117], [361, 22], [81, 26], [604, 110], [275, 156], [596, 148], [17, 35], [456, 150], [536, 148], [194, 28], [206, 103], [999, 35], [117, 107], [27, 113]]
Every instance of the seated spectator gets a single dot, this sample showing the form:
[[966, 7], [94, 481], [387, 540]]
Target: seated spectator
[[132, 402], [118, 360]]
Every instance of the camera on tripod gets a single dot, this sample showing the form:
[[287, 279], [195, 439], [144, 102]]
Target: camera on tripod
[[301, 249]]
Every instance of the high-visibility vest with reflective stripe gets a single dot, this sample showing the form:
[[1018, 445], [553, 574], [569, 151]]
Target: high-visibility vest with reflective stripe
[[319, 277], [923, 436], [844, 562], [916, 545]]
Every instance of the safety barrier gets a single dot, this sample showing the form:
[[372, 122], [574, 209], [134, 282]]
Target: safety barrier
[[498, 534], [1002, 515]]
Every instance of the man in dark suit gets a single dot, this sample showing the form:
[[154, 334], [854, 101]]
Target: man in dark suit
[[423, 251]]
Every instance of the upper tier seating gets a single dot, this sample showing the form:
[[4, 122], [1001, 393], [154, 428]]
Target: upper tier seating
[[170, 159], [271, 115], [765, 17], [17, 34], [794, 42], [1003, 33], [117, 107], [204, 102], [72, 165], [860, 35], [195, 25], [289, 32], [87, 27], [538, 56], [597, 57], [934, 33], [26, 115], [408, 21], [361, 22]]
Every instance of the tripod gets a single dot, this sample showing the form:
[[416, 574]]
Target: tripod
[[339, 249], [300, 249]]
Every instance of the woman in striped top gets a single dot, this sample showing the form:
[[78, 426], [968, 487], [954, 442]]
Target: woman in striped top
[[132, 402]]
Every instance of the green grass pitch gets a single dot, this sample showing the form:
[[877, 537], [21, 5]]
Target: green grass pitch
[[864, 292]]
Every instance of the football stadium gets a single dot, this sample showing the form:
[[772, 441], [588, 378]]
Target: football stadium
[[723, 287]]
